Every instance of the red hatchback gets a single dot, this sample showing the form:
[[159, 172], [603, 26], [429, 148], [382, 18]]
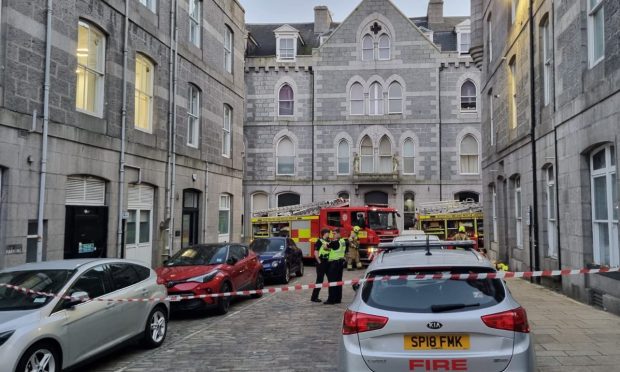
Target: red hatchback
[[210, 268]]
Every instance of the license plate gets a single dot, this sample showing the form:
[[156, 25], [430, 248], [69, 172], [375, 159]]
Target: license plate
[[362, 234], [437, 342]]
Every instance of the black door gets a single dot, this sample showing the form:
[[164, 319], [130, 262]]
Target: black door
[[191, 218], [86, 232]]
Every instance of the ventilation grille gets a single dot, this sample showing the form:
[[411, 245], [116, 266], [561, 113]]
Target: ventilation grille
[[85, 191], [597, 299], [140, 197]]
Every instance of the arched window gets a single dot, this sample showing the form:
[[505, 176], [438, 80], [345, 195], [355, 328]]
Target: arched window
[[285, 154], [286, 101], [409, 210], [357, 99], [376, 198], [408, 157], [395, 97], [376, 99], [469, 155], [468, 96], [384, 47], [288, 198], [385, 155], [368, 48], [343, 195], [467, 196], [368, 159], [604, 181], [90, 69], [260, 201], [228, 49], [343, 157]]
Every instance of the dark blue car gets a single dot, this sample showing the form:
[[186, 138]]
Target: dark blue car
[[280, 257]]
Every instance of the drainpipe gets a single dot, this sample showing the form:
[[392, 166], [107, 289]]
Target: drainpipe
[[46, 118], [439, 70], [534, 249], [313, 97], [121, 172], [173, 122]]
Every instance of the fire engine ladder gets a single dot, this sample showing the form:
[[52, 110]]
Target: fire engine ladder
[[449, 206], [302, 209]]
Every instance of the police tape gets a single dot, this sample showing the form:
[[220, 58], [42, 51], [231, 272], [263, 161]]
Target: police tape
[[341, 283]]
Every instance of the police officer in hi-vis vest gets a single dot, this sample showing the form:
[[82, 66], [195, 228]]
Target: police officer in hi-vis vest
[[321, 255], [337, 253]]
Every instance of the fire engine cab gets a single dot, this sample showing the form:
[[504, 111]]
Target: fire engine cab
[[303, 224]]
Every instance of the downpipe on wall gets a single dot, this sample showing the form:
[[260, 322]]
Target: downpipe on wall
[[46, 118], [121, 172], [173, 123]]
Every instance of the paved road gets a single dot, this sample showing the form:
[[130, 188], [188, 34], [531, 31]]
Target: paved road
[[287, 332]]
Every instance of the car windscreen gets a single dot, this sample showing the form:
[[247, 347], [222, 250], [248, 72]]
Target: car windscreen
[[48, 281], [382, 220], [433, 295], [200, 255], [267, 245]]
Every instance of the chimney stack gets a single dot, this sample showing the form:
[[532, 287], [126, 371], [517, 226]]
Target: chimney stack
[[322, 19], [435, 11]]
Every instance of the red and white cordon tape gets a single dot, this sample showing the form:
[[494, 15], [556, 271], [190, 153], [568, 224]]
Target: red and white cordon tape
[[302, 287]]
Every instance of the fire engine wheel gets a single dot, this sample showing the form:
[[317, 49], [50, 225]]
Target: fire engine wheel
[[300, 270]]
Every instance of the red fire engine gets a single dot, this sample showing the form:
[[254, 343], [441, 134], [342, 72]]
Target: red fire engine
[[304, 222]]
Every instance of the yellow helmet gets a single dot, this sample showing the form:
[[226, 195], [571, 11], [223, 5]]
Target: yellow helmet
[[462, 228], [356, 228]]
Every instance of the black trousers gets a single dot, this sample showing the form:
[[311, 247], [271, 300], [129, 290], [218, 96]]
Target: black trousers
[[321, 271], [334, 275]]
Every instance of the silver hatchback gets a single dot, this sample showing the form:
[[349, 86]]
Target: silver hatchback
[[400, 324], [42, 333]]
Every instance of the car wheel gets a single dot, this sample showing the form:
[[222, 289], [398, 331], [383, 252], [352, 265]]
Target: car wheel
[[287, 274], [259, 284], [223, 303], [300, 270], [156, 328], [42, 357]]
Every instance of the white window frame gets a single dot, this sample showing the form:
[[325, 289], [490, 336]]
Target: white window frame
[[193, 116], [592, 13], [552, 241], [476, 155], [371, 49], [99, 72], [385, 158], [253, 203], [411, 158], [340, 158], [547, 47], [293, 156], [287, 57], [195, 26], [494, 212], [459, 37], [492, 116], [148, 95], [229, 38], [513, 93], [518, 213], [490, 38], [150, 5], [227, 131], [351, 99], [475, 97], [395, 99], [225, 204], [513, 10], [608, 173], [370, 156], [281, 100], [375, 100], [388, 48]]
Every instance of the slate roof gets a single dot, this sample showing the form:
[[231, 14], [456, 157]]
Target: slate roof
[[443, 35]]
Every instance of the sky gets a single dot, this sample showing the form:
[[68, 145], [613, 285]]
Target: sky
[[267, 11]]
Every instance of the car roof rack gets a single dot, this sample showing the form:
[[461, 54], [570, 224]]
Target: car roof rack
[[427, 245]]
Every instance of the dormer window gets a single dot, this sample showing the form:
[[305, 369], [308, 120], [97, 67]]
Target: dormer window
[[287, 39], [463, 36]]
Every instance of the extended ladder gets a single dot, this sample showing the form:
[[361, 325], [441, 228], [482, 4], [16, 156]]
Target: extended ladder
[[302, 209], [449, 206]]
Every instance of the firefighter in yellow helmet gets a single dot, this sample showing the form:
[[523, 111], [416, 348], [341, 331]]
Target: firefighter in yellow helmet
[[353, 255], [461, 235]]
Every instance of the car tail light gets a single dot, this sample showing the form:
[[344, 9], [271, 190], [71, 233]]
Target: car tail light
[[511, 320], [355, 322]]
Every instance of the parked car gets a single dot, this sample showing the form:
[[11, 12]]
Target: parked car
[[42, 333], [400, 324], [280, 257], [210, 268]]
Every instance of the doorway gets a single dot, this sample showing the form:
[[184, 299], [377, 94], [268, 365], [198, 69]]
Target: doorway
[[376, 198], [86, 230], [191, 218]]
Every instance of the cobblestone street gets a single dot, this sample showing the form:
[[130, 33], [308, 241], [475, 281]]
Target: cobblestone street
[[287, 332]]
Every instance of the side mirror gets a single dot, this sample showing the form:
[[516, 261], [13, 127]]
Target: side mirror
[[76, 299], [231, 261], [165, 262]]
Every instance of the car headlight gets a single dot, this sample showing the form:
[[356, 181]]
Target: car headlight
[[204, 278], [4, 336], [275, 263]]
